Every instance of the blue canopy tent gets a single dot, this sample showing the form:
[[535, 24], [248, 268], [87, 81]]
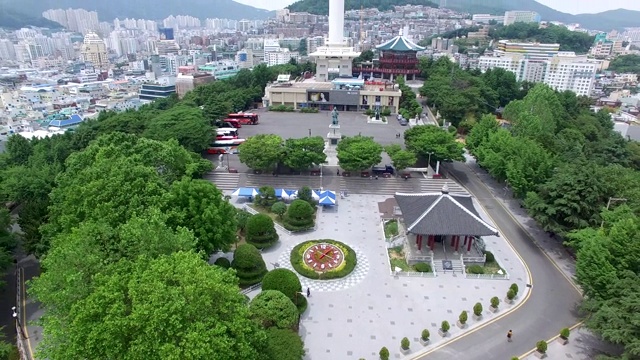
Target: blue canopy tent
[[284, 193], [245, 192], [327, 198]]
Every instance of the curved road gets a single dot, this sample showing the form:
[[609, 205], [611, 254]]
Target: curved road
[[552, 303]]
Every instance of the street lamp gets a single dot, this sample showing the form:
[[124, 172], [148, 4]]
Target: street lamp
[[611, 199], [429, 161], [309, 132]]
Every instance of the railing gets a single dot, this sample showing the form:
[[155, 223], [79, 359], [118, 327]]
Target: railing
[[384, 60], [387, 71], [251, 288], [418, 274], [475, 259], [488, 276], [22, 336]]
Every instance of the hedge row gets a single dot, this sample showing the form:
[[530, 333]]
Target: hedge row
[[297, 261]]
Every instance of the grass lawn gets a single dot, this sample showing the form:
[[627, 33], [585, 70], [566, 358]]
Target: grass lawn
[[390, 228], [397, 259], [490, 268]]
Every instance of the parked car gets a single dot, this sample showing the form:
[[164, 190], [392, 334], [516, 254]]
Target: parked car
[[404, 122], [379, 170]]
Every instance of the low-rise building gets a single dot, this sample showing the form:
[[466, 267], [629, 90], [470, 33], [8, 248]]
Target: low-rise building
[[188, 82]]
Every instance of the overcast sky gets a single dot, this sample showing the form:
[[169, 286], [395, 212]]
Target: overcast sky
[[569, 6]]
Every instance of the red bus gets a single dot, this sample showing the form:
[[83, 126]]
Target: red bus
[[245, 118], [225, 146], [235, 123]]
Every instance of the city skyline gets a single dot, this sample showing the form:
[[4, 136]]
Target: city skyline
[[568, 6]]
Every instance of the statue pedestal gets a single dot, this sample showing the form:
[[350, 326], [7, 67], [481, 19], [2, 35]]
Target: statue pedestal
[[334, 135]]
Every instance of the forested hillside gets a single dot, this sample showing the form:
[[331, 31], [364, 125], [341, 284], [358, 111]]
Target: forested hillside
[[322, 7]]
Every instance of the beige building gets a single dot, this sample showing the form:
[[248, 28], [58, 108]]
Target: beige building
[[343, 94], [188, 82], [94, 50]]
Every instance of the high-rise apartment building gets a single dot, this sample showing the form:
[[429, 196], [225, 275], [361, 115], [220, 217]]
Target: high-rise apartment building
[[7, 51], [532, 51], [603, 47], [515, 16], [79, 20], [94, 51]]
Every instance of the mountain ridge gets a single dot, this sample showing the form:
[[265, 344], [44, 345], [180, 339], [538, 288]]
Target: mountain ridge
[[142, 9]]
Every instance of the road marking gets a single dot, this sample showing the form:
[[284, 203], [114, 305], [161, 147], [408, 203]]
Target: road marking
[[24, 313], [550, 340], [570, 280], [507, 312]]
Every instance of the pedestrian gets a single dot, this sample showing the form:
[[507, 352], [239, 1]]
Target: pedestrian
[[308, 292], [338, 172], [509, 335]]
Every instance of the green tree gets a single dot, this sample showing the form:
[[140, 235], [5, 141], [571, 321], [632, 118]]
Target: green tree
[[300, 215], [403, 159], [279, 208], [249, 265], [272, 308], [18, 150], [149, 309], [200, 207], [260, 231], [481, 131], [216, 110], [302, 47], [626, 64], [301, 154], [183, 123], [266, 196], [358, 153], [283, 345], [283, 280], [261, 152], [425, 139]]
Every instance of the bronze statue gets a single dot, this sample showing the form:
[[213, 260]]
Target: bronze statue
[[334, 116]]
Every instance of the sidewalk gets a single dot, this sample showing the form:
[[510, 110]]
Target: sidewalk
[[583, 345]]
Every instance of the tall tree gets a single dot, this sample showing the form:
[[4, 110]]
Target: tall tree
[[301, 154], [358, 153], [426, 139], [183, 123], [261, 152]]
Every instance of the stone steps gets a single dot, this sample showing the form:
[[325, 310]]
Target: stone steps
[[223, 180]]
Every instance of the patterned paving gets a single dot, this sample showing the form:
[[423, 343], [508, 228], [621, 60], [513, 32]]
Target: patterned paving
[[359, 273]]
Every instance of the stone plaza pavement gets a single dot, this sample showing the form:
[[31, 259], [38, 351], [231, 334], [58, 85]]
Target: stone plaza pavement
[[353, 318]]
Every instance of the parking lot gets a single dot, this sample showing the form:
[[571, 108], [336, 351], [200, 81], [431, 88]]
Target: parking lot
[[298, 125]]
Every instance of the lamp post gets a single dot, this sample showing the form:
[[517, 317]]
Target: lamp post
[[18, 323], [429, 161], [309, 132]]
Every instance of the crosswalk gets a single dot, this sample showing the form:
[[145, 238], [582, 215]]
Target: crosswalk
[[293, 182], [223, 180], [381, 186]]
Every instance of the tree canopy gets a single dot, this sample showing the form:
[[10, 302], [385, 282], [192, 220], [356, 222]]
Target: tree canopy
[[322, 8], [358, 153], [428, 139], [626, 64], [552, 34]]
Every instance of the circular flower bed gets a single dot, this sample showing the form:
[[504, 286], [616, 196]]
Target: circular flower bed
[[342, 269]]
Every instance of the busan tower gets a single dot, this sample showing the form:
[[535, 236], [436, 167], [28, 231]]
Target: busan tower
[[335, 58]]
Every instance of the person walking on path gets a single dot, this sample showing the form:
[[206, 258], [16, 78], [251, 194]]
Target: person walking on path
[[509, 335], [308, 292]]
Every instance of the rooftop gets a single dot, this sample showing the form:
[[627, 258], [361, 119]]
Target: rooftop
[[400, 43]]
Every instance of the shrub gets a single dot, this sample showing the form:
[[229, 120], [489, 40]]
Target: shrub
[[404, 343], [541, 346], [477, 309], [425, 335], [422, 267], [266, 197], [272, 308], [452, 129], [279, 208], [304, 193], [241, 217], [564, 333], [260, 231], [385, 111], [384, 353], [369, 112], [511, 294], [475, 269], [463, 317], [249, 265], [283, 345], [309, 110], [495, 302], [445, 326], [281, 108], [300, 215], [283, 280], [490, 257], [222, 262], [514, 287], [350, 261]]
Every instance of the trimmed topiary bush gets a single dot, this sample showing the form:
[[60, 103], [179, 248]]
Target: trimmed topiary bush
[[422, 267], [477, 309], [511, 295], [445, 327], [288, 283], [279, 208], [272, 308], [404, 343], [490, 257], [249, 265], [564, 333], [283, 345], [222, 262], [475, 269], [300, 216], [542, 346], [261, 232], [242, 216], [425, 335], [266, 197], [384, 353], [495, 302], [514, 287], [350, 261], [463, 317]]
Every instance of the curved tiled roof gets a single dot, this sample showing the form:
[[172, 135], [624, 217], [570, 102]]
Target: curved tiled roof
[[400, 43]]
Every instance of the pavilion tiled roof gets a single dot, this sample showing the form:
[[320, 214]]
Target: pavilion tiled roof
[[400, 43], [442, 214]]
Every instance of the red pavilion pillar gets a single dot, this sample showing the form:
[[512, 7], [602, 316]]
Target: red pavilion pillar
[[432, 242], [457, 243], [469, 243], [419, 241], [453, 240]]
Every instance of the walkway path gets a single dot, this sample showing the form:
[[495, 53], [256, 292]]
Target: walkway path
[[553, 300]]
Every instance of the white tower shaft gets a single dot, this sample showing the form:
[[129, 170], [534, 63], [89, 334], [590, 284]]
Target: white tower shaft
[[336, 23]]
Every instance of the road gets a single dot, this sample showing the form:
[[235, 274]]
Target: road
[[552, 304]]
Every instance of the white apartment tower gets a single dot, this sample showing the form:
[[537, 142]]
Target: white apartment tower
[[515, 16], [94, 51], [335, 58]]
